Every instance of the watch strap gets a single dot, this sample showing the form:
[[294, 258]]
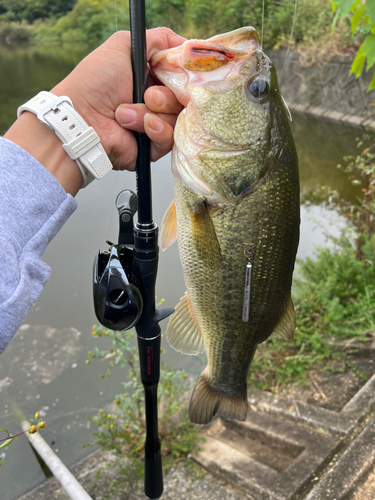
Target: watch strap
[[80, 141]]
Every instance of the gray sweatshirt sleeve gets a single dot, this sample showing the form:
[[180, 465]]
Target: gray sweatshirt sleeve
[[33, 208]]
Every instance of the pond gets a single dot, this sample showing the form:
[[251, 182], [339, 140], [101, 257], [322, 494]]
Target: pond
[[44, 367]]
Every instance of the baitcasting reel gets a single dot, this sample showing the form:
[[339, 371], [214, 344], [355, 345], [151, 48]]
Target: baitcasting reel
[[117, 300]]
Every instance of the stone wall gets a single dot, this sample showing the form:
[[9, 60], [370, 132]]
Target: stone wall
[[325, 89]]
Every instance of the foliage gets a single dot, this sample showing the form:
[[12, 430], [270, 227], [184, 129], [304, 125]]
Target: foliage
[[334, 294], [94, 20], [14, 32], [218, 16], [165, 13], [362, 21], [34, 427], [122, 429], [30, 10], [91, 21]]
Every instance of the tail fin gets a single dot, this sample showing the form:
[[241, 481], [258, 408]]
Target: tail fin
[[205, 403]]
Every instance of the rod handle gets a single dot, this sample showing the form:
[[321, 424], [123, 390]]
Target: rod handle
[[153, 475]]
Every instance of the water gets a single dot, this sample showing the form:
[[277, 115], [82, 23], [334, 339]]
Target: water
[[46, 368]]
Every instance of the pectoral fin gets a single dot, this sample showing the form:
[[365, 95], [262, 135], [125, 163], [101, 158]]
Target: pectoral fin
[[204, 238], [168, 230], [287, 323], [183, 332]]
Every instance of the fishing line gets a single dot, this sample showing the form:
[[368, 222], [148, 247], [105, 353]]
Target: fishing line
[[261, 39], [119, 100], [290, 41]]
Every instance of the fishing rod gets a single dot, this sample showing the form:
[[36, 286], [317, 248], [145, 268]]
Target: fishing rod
[[125, 275]]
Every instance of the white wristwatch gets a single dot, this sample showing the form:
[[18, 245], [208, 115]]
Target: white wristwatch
[[80, 141]]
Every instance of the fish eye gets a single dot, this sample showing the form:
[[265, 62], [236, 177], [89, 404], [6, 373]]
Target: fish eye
[[258, 88]]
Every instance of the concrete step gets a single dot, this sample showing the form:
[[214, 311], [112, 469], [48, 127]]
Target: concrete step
[[266, 457]]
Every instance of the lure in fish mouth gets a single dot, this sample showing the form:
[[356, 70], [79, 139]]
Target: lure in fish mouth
[[236, 208]]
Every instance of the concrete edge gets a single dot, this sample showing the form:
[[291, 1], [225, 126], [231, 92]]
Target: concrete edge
[[350, 468], [354, 120], [341, 423], [82, 461]]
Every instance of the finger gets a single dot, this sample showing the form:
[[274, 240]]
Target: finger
[[131, 117], [161, 135], [161, 39], [160, 99], [123, 153]]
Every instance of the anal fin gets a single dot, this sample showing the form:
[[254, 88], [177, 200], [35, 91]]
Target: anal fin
[[183, 332], [168, 230], [287, 323]]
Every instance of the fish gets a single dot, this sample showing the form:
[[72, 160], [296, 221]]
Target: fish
[[235, 212]]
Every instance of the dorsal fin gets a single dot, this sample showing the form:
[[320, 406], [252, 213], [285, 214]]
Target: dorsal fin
[[183, 332], [168, 230], [287, 323]]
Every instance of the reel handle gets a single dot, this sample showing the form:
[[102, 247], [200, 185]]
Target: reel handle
[[126, 204]]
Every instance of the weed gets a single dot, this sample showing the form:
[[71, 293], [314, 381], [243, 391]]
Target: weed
[[34, 427]]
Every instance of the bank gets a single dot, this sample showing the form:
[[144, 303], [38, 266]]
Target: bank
[[325, 89]]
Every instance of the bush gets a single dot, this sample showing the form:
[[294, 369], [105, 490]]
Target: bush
[[91, 21], [14, 32]]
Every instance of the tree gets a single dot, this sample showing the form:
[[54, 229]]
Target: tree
[[30, 10]]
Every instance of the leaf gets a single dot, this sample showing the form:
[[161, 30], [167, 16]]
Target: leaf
[[358, 63], [370, 10], [357, 17], [4, 430], [355, 5], [372, 83], [334, 20], [6, 443], [369, 50], [345, 7]]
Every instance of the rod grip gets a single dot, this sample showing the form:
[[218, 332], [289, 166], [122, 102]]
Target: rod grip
[[153, 475]]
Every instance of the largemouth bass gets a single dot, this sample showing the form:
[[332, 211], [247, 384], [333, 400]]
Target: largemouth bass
[[235, 212]]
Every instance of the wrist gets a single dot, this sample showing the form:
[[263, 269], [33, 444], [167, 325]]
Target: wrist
[[63, 89], [39, 141]]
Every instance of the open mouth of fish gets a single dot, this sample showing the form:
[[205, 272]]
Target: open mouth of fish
[[195, 61]]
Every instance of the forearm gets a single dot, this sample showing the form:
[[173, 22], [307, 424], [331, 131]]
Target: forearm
[[33, 208]]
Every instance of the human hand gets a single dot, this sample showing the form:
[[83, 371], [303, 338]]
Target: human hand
[[101, 89]]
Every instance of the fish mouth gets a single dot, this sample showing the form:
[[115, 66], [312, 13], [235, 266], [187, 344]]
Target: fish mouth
[[202, 62]]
